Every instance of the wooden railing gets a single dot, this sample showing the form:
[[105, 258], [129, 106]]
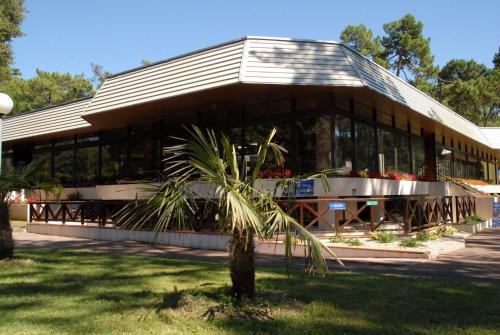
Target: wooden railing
[[409, 213], [90, 211]]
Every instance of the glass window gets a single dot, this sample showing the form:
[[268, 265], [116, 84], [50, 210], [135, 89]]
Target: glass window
[[343, 143], [443, 161], [387, 151], [418, 156], [314, 144], [255, 135], [113, 162], [235, 138], [63, 166], [365, 147], [143, 161], [87, 164], [460, 165], [403, 153], [46, 156]]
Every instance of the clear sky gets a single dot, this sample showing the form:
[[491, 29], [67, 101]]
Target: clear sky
[[67, 35]]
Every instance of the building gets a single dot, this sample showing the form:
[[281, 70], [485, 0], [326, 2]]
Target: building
[[333, 107]]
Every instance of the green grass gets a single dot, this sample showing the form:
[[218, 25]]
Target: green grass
[[46, 291], [18, 225]]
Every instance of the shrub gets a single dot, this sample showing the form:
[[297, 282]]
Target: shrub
[[471, 219], [446, 230], [436, 234], [410, 243], [383, 237], [427, 236], [349, 241]]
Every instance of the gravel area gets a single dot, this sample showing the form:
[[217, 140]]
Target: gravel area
[[444, 245]]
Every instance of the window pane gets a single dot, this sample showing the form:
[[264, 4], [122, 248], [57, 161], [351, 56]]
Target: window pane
[[365, 147], [143, 158], [314, 144], [46, 156], [443, 160], [387, 151], [255, 135], [343, 143], [418, 156], [403, 151], [87, 163], [113, 162], [63, 166]]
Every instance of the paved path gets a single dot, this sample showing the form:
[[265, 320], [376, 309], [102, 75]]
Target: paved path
[[480, 261]]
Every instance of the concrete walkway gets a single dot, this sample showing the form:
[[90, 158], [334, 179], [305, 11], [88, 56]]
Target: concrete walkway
[[480, 261]]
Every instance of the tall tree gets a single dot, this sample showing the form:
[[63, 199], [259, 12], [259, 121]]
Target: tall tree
[[361, 38], [496, 59], [462, 69], [11, 17], [45, 89], [99, 74], [406, 50]]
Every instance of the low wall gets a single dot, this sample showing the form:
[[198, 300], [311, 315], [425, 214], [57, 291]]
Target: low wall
[[179, 239], [338, 187], [19, 212], [474, 228]]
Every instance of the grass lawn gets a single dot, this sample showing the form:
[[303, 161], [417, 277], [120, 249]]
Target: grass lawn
[[52, 292]]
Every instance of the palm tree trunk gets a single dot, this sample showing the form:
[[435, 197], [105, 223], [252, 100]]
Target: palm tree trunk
[[6, 241], [242, 265]]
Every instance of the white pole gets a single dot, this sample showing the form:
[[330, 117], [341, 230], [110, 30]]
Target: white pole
[[6, 105]]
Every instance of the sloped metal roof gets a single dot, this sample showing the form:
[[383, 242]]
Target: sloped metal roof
[[250, 60], [45, 121]]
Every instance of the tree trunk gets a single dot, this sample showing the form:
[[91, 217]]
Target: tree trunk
[[6, 241], [242, 265]]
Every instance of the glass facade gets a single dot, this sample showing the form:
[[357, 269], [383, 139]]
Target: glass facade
[[318, 132]]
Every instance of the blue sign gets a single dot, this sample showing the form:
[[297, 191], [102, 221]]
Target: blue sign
[[496, 214], [304, 187], [336, 206]]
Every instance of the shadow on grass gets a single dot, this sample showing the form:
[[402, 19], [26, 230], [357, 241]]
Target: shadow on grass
[[72, 290]]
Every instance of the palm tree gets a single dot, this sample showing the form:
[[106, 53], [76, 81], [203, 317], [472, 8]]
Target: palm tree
[[204, 171], [16, 180]]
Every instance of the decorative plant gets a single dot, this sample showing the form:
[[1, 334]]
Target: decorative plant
[[383, 237], [244, 211], [274, 173], [13, 180]]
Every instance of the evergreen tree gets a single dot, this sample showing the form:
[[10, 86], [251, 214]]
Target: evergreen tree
[[46, 89], [11, 17], [361, 39], [406, 50]]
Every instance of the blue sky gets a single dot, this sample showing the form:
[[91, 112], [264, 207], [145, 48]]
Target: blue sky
[[66, 36]]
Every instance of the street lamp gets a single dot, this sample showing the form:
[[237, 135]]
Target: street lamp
[[6, 105]]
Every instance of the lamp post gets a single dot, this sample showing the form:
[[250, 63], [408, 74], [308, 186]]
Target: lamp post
[[6, 105]]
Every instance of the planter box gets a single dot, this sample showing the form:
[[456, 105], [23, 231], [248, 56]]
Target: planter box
[[474, 228]]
